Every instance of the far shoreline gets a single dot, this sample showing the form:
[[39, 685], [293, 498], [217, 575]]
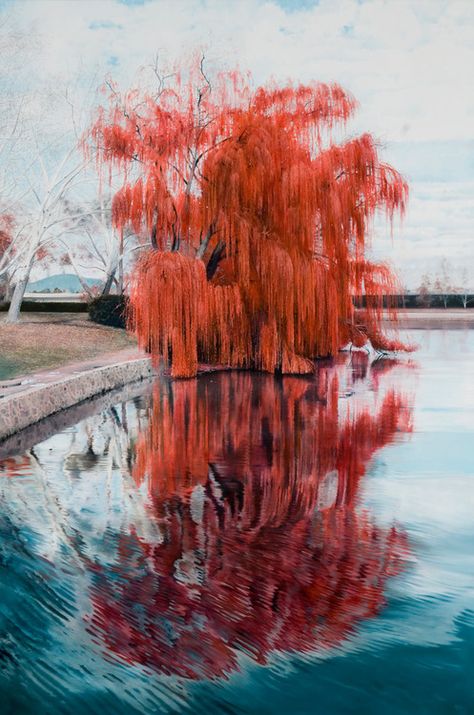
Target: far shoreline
[[434, 318]]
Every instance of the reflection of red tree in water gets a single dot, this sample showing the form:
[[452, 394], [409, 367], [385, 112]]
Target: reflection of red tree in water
[[253, 481], [14, 466]]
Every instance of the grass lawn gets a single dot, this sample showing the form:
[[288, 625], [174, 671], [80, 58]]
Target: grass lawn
[[47, 340]]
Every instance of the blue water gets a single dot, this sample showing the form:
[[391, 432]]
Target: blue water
[[243, 544]]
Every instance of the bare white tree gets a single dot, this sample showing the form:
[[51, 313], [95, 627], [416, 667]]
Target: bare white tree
[[41, 163], [464, 286], [102, 248], [443, 284], [44, 217]]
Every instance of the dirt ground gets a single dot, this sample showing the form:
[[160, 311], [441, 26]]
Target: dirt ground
[[47, 340]]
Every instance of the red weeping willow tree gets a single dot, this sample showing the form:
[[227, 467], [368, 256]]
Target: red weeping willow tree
[[258, 220], [262, 546]]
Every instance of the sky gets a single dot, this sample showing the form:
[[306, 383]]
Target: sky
[[410, 64]]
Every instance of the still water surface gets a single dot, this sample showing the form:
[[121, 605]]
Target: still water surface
[[250, 545]]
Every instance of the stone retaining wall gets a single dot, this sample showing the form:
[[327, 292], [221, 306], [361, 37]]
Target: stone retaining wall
[[25, 439], [29, 406]]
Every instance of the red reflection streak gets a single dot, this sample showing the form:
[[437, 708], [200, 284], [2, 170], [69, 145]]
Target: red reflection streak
[[254, 484], [14, 466]]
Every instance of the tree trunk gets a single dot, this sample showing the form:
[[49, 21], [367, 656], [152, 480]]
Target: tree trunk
[[214, 260], [8, 290], [120, 276], [205, 242], [120, 266], [108, 282], [84, 285], [17, 299]]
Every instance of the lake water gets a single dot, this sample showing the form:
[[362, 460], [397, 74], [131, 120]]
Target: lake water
[[249, 545]]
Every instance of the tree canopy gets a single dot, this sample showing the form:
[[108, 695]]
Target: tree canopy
[[258, 219]]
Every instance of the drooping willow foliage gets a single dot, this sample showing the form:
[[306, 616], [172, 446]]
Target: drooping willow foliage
[[258, 220]]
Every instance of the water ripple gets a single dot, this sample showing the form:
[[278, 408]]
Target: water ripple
[[238, 544]]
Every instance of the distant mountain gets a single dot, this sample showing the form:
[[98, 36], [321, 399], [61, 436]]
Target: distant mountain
[[62, 282]]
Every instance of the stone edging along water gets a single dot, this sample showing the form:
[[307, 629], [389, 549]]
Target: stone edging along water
[[25, 439], [33, 404]]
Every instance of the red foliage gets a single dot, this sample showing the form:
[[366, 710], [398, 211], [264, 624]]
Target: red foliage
[[42, 253], [277, 217], [12, 467], [7, 224], [261, 547]]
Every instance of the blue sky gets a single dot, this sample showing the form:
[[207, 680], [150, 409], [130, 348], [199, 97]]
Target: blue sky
[[408, 62]]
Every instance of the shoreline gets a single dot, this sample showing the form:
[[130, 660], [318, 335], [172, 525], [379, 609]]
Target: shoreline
[[25, 401], [29, 399], [433, 318]]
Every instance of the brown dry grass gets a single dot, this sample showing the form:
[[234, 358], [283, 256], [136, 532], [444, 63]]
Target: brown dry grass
[[47, 340]]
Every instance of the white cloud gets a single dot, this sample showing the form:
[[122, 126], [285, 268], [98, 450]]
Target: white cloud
[[408, 62]]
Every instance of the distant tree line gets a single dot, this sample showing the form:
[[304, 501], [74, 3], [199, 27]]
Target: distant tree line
[[449, 287]]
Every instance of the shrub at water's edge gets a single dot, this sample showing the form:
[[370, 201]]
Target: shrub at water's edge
[[109, 310]]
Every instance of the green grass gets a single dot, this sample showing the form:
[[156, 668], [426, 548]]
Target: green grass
[[44, 341]]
